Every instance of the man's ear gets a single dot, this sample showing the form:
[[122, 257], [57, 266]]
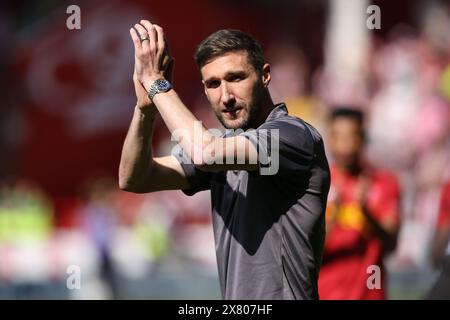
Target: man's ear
[[204, 89], [266, 74]]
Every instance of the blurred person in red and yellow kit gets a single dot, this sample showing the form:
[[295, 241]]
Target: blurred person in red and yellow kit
[[362, 215]]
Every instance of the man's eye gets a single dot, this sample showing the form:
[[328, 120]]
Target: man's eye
[[235, 78], [213, 84]]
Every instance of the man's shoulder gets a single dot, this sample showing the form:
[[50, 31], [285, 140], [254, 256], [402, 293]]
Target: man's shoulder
[[285, 118], [292, 125], [385, 179]]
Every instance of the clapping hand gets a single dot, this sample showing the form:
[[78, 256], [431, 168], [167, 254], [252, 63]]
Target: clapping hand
[[152, 59]]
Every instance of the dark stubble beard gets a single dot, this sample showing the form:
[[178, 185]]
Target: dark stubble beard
[[254, 110]]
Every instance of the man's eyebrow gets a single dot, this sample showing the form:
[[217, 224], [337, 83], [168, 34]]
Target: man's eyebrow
[[211, 79], [228, 74], [235, 73]]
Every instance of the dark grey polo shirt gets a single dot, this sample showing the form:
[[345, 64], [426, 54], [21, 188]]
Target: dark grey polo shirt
[[269, 230]]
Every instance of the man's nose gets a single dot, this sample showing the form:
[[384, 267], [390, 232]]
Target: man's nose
[[226, 95]]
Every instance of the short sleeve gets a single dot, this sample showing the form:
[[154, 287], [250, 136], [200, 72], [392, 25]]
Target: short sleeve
[[198, 180], [284, 146]]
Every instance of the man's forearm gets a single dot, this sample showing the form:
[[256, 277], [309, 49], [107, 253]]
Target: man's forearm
[[183, 125], [136, 158], [388, 239]]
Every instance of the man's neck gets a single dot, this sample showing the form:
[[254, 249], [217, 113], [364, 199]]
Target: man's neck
[[267, 108], [353, 169]]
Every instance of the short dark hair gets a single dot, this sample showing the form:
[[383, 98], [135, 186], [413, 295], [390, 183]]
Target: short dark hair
[[230, 40], [349, 113], [346, 112]]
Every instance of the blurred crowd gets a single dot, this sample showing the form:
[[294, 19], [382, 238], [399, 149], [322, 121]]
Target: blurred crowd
[[400, 83], [108, 234]]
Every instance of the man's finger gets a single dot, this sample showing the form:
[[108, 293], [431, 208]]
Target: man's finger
[[143, 34], [153, 39], [152, 34], [135, 38], [147, 24], [141, 31], [160, 38]]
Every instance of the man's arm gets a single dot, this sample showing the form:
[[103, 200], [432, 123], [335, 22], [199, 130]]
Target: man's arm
[[386, 228], [208, 152], [138, 171]]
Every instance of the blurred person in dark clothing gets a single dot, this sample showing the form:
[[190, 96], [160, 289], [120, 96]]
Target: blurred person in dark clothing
[[269, 226], [362, 214], [441, 249], [99, 220]]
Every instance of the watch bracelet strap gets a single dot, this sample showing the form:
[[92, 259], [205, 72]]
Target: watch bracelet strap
[[153, 90]]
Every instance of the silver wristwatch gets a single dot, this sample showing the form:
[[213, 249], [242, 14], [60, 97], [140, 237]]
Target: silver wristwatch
[[160, 85]]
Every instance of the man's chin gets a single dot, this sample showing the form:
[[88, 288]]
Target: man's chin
[[234, 124]]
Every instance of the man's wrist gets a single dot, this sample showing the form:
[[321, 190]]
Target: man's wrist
[[150, 80]]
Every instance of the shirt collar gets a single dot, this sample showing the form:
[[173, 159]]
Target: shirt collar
[[278, 111]]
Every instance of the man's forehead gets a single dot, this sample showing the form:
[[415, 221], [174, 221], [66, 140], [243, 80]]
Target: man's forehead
[[345, 125], [230, 61]]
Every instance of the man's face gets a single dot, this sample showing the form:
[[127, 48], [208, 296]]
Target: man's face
[[345, 141], [234, 89]]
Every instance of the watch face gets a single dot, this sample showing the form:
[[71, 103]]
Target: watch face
[[160, 85], [163, 85]]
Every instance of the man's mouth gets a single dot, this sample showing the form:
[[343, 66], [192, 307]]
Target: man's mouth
[[233, 113]]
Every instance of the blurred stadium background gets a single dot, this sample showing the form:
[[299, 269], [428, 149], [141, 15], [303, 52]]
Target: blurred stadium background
[[67, 100]]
